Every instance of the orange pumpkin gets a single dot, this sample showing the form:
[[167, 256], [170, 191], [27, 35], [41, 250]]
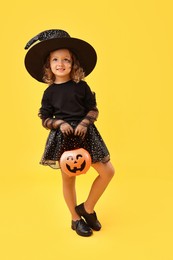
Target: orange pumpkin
[[75, 162]]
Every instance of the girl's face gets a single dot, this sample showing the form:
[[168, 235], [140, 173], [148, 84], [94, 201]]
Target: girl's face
[[61, 65]]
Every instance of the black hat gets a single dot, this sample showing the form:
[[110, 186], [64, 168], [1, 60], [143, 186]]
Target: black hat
[[52, 40]]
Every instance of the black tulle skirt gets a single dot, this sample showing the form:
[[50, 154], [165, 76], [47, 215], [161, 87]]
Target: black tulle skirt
[[57, 143]]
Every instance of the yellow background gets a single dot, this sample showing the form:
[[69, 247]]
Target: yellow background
[[133, 81]]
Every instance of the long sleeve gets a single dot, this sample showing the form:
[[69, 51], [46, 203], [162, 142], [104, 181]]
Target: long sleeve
[[46, 110], [92, 113]]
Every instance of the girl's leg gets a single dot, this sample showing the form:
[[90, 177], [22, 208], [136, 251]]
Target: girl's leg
[[106, 172], [86, 209], [69, 193]]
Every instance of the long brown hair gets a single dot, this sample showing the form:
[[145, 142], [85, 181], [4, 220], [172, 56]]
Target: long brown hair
[[76, 73]]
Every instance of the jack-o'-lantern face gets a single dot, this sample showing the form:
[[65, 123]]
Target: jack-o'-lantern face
[[75, 162]]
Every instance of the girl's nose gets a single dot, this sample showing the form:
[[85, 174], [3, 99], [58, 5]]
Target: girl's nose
[[60, 62]]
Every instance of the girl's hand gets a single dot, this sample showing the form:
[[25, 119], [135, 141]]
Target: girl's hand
[[80, 130], [66, 129]]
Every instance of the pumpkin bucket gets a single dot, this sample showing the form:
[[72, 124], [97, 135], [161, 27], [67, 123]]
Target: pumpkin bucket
[[75, 162]]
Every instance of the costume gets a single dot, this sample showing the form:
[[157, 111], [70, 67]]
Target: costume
[[71, 102]]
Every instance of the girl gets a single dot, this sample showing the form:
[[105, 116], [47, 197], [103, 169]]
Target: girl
[[69, 110]]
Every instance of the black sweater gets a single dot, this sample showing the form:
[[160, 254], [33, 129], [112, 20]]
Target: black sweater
[[67, 101]]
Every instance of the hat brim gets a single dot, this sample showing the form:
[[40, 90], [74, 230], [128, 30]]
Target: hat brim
[[36, 56]]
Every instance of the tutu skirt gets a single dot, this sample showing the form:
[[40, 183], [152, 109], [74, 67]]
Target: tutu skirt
[[57, 144]]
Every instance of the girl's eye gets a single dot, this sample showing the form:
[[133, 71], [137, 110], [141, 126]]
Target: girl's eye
[[67, 60]]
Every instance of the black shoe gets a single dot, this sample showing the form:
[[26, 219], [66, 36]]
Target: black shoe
[[91, 218], [81, 227]]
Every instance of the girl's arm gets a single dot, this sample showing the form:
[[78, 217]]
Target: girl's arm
[[51, 123], [90, 118]]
